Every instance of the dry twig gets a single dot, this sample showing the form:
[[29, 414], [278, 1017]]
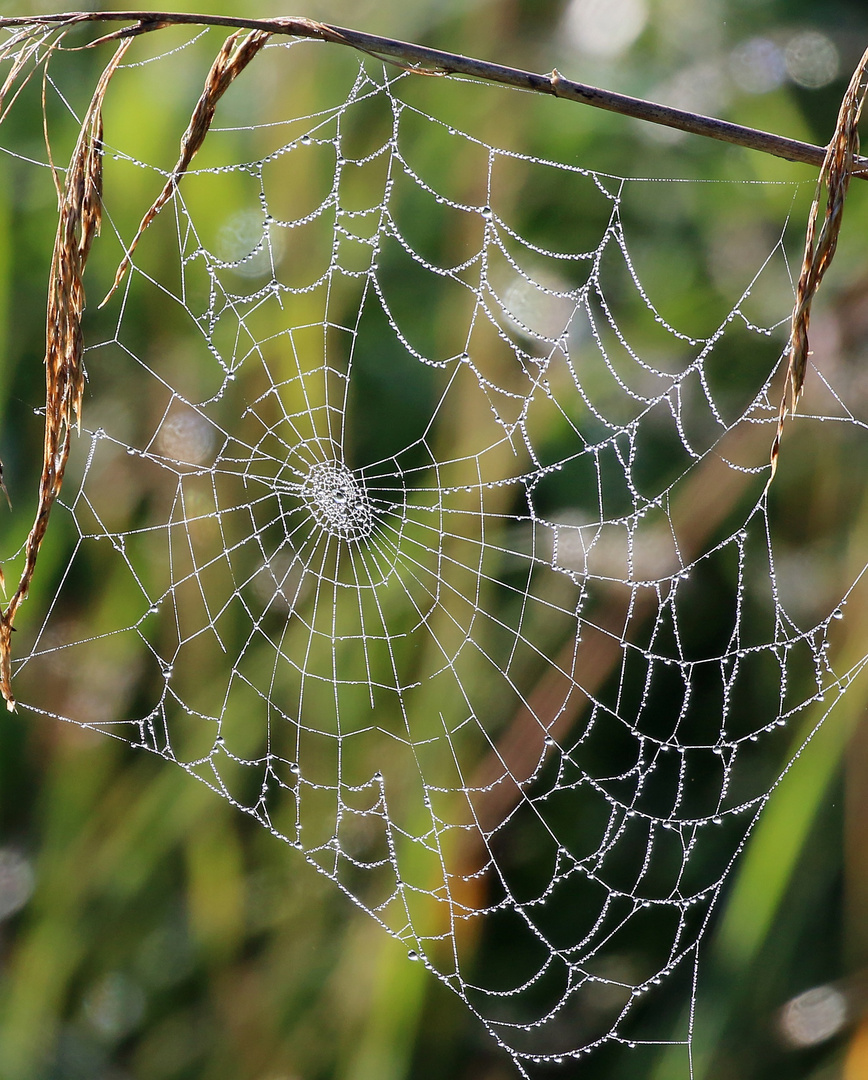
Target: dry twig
[[424, 60]]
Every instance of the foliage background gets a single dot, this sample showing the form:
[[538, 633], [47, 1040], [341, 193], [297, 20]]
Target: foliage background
[[150, 932]]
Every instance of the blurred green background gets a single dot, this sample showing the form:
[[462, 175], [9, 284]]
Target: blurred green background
[[148, 930]]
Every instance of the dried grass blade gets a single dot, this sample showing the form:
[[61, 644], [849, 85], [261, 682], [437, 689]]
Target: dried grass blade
[[230, 62], [820, 248], [78, 223]]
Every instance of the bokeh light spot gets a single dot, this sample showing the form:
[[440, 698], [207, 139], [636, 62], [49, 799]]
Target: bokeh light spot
[[605, 28]]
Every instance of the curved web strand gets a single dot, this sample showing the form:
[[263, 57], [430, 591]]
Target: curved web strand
[[406, 543]]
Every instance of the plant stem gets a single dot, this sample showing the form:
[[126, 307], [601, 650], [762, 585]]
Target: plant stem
[[425, 60]]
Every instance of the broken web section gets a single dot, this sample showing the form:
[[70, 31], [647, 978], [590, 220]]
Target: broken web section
[[418, 528]]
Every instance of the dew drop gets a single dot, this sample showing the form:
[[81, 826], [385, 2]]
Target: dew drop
[[412, 955]]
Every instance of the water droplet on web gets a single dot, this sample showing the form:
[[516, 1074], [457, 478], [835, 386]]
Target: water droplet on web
[[487, 212], [305, 140], [412, 955], [838, 614], [294, 769]]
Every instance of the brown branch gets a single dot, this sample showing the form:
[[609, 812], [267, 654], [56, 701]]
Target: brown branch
[[426, 60]]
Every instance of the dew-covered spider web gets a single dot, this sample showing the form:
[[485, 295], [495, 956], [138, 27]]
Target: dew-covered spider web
[[419, 510]]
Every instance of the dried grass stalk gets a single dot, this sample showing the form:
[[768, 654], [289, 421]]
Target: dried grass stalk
[[841, 157], [79, 222], [22, 47], [230, 62]]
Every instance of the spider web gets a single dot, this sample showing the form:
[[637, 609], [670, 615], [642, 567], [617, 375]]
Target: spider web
[[420, 533]]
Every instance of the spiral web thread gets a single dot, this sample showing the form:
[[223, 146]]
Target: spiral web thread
[[405, 545]]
